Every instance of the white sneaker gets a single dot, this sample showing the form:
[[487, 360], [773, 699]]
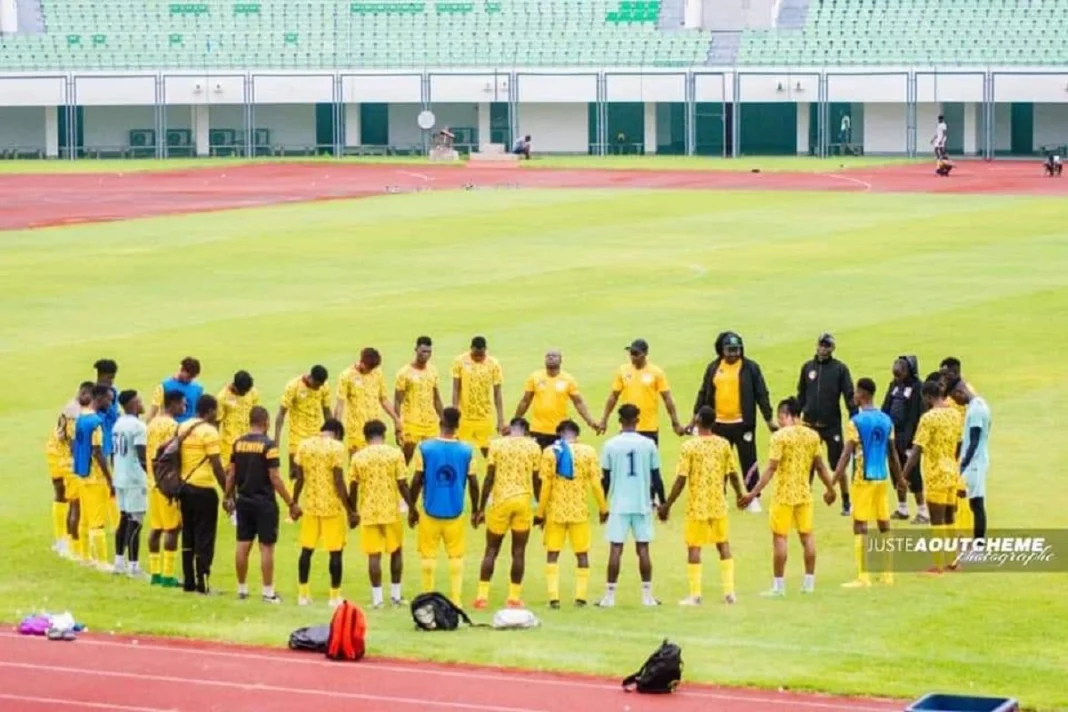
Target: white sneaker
[[104, 568], [808, 589], [690, 601], [273, 599], [303, 601], [754, 507], [651, 602], [773, 593], [606, 602], [730, 599], [335, 602]]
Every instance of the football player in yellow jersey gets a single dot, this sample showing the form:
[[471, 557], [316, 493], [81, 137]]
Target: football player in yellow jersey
[[164, 515], [963, 518], [936, 441], [306, 399], [512, 482], [235, 404], [377, 487], [794, 450], [59, 459], [705, 464], [416, 398], [640, 383], [569, 470], [476, 391], [547, 393], [361, 396], [328, 515]]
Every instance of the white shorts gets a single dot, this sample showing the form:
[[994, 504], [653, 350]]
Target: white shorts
[[975, 483]]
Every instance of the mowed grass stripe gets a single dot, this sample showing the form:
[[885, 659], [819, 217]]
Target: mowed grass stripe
[[278, 289]]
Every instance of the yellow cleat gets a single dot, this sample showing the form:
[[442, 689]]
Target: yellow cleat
[[858, 583]]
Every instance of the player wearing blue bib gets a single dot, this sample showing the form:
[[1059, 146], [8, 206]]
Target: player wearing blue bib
[[869, 442], [131, 482], [444, 467], [974, 448], [631, 466], [106, 370]]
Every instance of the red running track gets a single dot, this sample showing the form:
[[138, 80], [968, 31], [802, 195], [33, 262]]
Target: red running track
[[157, 675], [39, 200]]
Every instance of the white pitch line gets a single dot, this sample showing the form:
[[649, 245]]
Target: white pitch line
[[488, 675], [86, 705], [420, 176], [258, 687], [850, 179]]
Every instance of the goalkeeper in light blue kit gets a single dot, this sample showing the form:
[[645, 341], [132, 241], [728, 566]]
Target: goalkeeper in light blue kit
[[631, 476]]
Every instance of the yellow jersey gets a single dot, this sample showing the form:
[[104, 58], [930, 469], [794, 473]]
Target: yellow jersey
[[233, 413], [796, 448], [60, 438], [362, 394], [161, 429], [938, 434], [305, 409], [318, 457], [727, 381], [515, 460], [705, 462], [418, 386], [377, 469], [563, 500], [197, 449], [551, 395], [642, 388], [477, 382]]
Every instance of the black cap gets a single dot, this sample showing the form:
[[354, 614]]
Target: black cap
[[639, 345], [732, 341], [825, 339]]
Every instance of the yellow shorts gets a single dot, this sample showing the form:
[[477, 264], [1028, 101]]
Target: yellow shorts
[[511, 515], [432, 531], [95, 497], [791, 516], [58, 468], [944, 496], [163, 514], [415, 434], [72, 487], [706, 532], [476, 432], [331, 531], [381, 538], [871, 500], [580, 535]]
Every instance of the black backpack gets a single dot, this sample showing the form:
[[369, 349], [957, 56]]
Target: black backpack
[[660, 674], [312, 639], [433, 611]]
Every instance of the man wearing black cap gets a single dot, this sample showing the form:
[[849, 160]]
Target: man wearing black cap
[[640, 383], [734, 387], [824, 381]]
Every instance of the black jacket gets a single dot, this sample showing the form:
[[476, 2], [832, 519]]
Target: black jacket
[[820, 386], [903, 402], [753, 390]]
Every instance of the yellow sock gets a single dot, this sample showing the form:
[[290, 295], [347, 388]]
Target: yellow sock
[[858, 557], [59, 520], [335, 594], [80, 546], [98, 546], [552, 581], [456, 581], [515, 591], [582, 582], [83, 537], [113, 514], [483, 590], [304, 590], [888, 567], [426, 570], [693, 577], [154, 566], [169, 559], [726, 576]]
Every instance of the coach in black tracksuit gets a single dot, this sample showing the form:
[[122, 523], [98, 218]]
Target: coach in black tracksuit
[[734, 387], [904, 404], [824, 381]]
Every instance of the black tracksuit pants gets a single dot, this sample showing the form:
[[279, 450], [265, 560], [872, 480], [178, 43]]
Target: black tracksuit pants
[[743, 438], [200, 520]]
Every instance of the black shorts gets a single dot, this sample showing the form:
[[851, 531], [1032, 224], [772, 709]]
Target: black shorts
[[916, 477], [653, 435], [257, 519], [544, 440]]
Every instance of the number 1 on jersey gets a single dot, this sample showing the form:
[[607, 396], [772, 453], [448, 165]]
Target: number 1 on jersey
[[630, 460]]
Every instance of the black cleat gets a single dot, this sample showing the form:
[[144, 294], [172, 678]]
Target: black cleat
[[580, 603], [555, 605]]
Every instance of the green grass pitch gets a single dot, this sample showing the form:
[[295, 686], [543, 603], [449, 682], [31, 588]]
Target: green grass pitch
[[275, 290]]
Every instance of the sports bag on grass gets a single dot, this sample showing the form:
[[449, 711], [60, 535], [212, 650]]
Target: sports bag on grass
[[167, 464], [433, 611], [312, 639], [348, 631], [660, 674], [515, 619]]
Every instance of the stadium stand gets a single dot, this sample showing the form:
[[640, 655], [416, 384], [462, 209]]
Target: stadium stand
[[316, 34]]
